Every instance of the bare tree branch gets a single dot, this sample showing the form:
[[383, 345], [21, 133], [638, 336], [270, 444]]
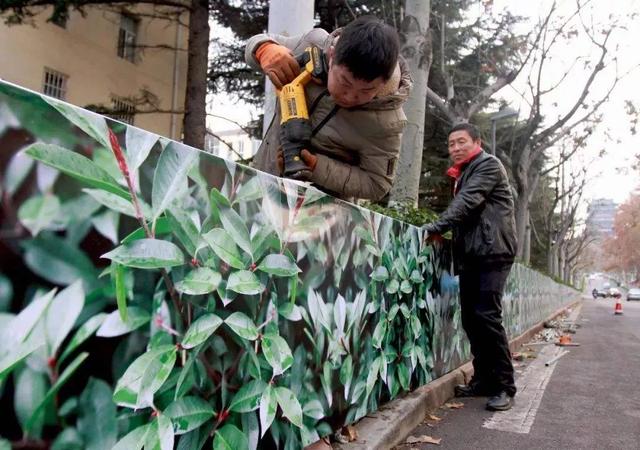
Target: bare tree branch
[[481, 100], [441, 105], [238, 124], [228, 145], [583, 95]]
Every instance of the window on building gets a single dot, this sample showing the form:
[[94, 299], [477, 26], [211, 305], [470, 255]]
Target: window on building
[[127, 37], [123, 110], [212, 144], [240, 147], [55, 83]]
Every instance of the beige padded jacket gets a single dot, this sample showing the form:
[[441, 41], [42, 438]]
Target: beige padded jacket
[[357, 149]]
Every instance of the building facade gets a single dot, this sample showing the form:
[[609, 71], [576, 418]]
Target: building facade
[[601, 215], [118, 61], [233, 144]]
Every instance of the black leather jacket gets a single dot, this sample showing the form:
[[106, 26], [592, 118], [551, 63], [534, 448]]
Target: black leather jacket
[[480, 215]]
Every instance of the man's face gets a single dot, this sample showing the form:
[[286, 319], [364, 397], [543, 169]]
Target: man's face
[[348, 91], [461, 145]]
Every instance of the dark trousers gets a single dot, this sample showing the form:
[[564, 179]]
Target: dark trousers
[[480, 297]]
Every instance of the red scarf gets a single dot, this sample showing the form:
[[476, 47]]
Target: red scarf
[[456, 170]]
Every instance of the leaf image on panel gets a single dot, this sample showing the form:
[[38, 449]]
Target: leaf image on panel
[[170, 176]]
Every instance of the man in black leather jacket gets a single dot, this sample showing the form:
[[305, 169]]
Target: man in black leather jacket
[[482, 221]]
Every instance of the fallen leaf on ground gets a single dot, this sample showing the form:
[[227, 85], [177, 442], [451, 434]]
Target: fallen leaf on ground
[[434, 418], [350, 432], [564, 339], [454, 405], [424, 439]]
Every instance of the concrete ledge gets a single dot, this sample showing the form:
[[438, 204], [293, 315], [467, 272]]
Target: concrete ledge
[[392, 423]]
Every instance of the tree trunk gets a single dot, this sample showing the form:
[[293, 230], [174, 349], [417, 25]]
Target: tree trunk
[[521, 216], [416, 49], [563, 262], [525, 184], [526, 248], [195, 117]]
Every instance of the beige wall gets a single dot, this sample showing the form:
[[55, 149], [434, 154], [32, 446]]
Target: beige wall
[[86, 51]]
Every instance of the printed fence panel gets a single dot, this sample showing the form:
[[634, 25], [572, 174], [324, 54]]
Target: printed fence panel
[[189, 298]]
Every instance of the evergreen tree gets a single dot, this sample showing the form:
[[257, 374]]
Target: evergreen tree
[[472, 58], [228, 73]]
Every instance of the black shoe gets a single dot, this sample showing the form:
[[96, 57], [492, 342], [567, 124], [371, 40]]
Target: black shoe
[[501, 402], [472, 390]]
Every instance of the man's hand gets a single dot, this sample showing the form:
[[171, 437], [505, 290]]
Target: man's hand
[[277, 63], [280, 161], [431, 236], [309, 159]]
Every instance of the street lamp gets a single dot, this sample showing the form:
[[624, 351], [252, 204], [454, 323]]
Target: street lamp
[[504, 113]]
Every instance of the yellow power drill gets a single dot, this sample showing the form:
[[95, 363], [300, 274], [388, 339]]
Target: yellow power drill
[[295, 126]]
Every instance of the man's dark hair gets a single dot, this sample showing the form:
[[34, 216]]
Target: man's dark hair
[[469, 128], [369, 48]]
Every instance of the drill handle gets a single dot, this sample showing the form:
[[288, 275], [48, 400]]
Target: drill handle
[[295, 135]]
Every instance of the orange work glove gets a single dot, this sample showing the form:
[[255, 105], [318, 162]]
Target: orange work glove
[[280, 161], [277, 63], [309, 159]]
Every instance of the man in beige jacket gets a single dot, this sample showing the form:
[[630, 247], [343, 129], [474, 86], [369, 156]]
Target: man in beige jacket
[[356, 118]]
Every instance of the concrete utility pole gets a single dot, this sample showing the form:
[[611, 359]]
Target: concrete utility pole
[[291, 18]]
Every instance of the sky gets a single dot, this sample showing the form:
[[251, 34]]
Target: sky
[[609, 176]]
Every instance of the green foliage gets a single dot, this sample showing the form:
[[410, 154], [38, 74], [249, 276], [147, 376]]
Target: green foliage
[[414, 216], [200, 330], [6, 292], [38, 212], [97, 421], [76, 166]]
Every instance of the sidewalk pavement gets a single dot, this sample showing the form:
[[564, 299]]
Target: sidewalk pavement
[[588, 399]]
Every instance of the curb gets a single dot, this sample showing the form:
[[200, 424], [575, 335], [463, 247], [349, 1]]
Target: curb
[[392, 423]]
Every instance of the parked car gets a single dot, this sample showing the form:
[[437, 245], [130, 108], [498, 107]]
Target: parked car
[[615, 293], [633, 294]]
